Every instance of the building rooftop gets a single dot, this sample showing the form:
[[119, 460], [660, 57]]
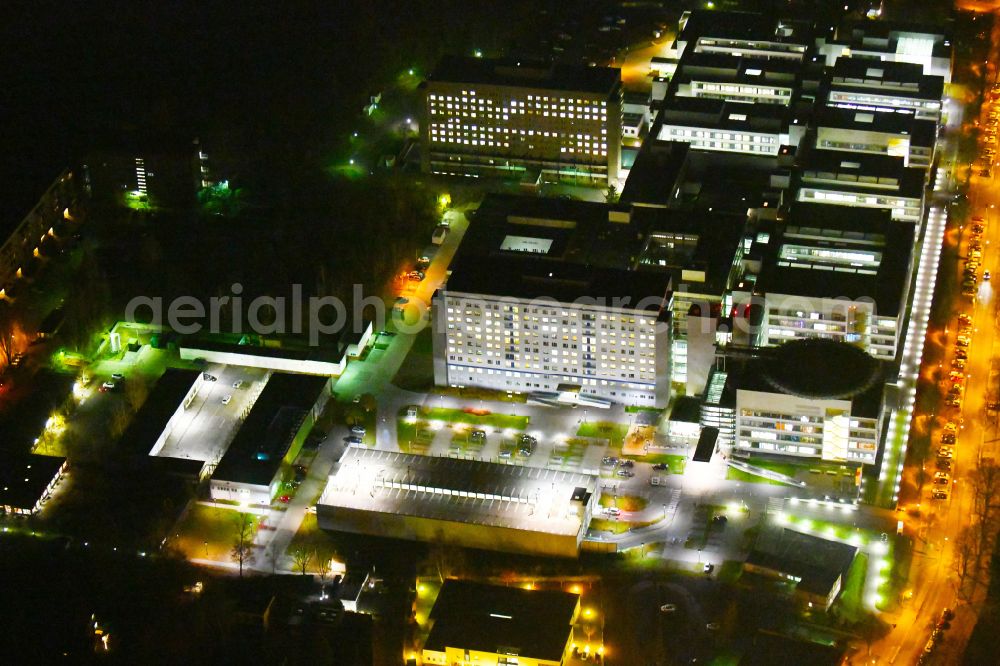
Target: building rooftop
[[745, 26], [902, 79], [23, 479], [821, 253], [817, 561], [533, 624], [266, 434], [921, 132], [836, 369], [697, 248], [523, 73], [468, 491], [725, 68], [720, 114], [161, 404], [330, 352], [894, 37], [657, 174], [759, 369], [531, 247], [706, 444], [860, 172]]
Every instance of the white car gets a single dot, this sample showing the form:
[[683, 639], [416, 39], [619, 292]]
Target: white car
[[226, 399]]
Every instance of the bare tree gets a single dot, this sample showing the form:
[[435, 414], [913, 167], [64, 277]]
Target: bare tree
[[301, 557], [985, 504], [7, 344], [966, 563], [243, 552], [136, 392]]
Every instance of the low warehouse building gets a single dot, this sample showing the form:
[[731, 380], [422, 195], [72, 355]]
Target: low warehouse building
[[270, 438], [464, 502], [493, 624]]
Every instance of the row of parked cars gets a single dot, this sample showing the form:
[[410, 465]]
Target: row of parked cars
[[990, 134], [943, 623], [974, 258], [941, 489]]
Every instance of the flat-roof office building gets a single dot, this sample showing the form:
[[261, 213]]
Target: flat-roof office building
[[494, 624], [822, 275], [544, 298], [814, 399], [889, 41], [880, 133], [861, 180], [857, 83], [270, 438], [521, 119]]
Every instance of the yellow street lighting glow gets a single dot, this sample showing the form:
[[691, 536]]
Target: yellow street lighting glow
[[575, 589]]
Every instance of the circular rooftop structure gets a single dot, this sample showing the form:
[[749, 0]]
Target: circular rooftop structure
[[814, 368]]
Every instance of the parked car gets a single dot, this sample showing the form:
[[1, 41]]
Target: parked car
[[226, 399], [108, 386], [948, 438], [660, 466], [358, 430], [625, 473]]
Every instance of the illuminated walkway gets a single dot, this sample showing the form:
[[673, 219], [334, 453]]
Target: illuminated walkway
[[887, 491]]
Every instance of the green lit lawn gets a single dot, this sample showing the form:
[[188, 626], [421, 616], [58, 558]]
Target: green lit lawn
[[850, 604], [746, 477], [613, 432], [314, 540], [463, 445], [568, 455], [625, 502], [634, 410], [476, 393], [730, 571], [616, 526], [206, 523], [704, 512], [828, 529], [414, 437], [495, 421], [673, 462]]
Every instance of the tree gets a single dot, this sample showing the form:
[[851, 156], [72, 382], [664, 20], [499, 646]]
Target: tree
[[985, 486], [369, 403], [243, 552], [136, 392], [966, 562], [444, 559], [611, 194], [301, 557]]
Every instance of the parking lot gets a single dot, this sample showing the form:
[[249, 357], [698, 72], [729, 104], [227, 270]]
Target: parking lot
[[207, 425]]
